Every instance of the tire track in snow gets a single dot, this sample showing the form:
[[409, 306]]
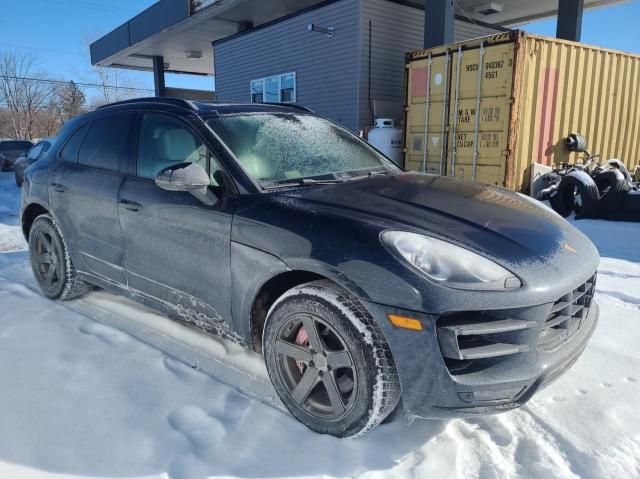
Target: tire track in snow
[[225, 362], [490, 459], [579, 462], [509, 445], [619, 459], [627, 299], [615, 274]]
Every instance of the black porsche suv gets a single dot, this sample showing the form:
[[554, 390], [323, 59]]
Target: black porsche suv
[[360, 283]]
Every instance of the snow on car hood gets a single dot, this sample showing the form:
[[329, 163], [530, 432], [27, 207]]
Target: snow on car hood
[[493, 221]]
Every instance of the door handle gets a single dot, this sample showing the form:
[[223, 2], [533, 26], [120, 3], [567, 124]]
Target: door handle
[[131, 205], [58, 187]]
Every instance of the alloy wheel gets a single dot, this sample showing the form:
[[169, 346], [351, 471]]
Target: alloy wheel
[[316, 366], [48, 260]]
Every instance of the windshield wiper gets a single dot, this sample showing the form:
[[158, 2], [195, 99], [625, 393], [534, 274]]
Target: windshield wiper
[[305, 182], [369, 175]]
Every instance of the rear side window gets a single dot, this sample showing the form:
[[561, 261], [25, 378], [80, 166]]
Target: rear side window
[[106, 145], [72, 146]]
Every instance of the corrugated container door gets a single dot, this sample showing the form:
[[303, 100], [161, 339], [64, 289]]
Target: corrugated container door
[[427, 95], [569, 87], [480, 99]]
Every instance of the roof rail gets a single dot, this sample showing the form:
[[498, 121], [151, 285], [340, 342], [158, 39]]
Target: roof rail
[[164, 100], [291, 105]]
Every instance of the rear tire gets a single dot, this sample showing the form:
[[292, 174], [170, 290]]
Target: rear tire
[[51, 263], [328, 361], [612, 186], [576, 192]]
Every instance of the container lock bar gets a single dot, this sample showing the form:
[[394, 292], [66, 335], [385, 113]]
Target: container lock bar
[[445, 107], [477, 125], [427, 99], [454, 147]]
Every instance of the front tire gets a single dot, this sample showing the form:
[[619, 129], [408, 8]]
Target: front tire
[[328, 361], [50, 261]]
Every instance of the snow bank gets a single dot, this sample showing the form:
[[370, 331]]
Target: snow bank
[[100, 387], [11, 238]]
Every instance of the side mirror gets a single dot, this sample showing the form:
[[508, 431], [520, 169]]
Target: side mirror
[[189, 177]]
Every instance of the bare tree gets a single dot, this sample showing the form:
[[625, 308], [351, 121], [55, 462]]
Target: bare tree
[[24, 91], [115, 84], [50, 119], [70, 99], [6, 129]]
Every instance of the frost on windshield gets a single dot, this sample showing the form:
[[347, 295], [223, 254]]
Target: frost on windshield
[[274, 147]]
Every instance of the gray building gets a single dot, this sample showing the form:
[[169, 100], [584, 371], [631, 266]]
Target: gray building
[[348, 75], [342, 58]]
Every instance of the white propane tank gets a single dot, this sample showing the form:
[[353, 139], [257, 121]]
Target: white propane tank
[[387, 138]]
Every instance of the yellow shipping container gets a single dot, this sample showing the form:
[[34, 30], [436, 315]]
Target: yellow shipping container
[[487, 108]]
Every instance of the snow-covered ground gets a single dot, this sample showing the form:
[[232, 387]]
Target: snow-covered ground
[[101, 387]]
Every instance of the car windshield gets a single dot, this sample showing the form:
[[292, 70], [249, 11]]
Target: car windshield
[[277, 149]]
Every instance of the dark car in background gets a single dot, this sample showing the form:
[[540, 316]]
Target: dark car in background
[[360, 283], [34, 154], [11, 150]]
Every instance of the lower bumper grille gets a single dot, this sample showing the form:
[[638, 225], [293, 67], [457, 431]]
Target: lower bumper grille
[[468, 339], [567, 315], [477, 340]]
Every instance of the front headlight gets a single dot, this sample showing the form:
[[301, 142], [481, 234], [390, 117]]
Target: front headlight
[[448, 264]]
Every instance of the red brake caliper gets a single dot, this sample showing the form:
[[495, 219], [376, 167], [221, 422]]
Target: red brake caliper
[[301, 340]]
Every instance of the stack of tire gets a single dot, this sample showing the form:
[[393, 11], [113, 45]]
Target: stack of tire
[[606, 192]]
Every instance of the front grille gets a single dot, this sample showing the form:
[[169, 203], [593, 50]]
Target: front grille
[[567, 315]]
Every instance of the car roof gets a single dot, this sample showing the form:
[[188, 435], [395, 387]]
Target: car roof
[[9, 140], [210, 108]]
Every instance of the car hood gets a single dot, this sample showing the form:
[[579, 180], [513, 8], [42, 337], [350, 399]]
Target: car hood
[[493, 221]]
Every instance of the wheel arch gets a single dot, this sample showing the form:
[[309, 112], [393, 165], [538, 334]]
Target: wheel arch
[[29, 214], [273, 288], [260, 278], [268, 294]]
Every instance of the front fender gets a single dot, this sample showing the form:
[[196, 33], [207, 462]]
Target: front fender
[[252, 269]]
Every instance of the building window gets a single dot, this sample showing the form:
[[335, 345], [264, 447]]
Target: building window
[[274, 89], [287, 88], [257, 87]]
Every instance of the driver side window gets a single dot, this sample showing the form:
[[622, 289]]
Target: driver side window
[[166, 141]]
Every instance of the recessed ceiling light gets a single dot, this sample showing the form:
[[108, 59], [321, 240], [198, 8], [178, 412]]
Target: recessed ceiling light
[[488, 9]]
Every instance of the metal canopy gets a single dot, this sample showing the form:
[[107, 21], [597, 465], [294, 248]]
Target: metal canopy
[[181, 31], [518, 12]]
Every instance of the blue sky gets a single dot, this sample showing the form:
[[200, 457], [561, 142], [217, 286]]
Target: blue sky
[[56, 31]]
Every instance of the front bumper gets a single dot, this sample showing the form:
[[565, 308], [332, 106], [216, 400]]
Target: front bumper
[[433, 388]]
